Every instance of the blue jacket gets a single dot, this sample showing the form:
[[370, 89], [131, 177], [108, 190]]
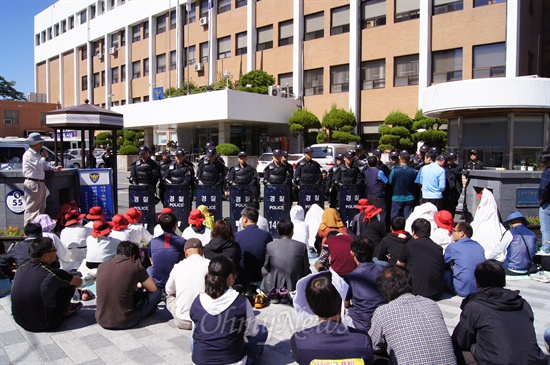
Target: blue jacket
[[464, 255], [517, 257], [253, 242]]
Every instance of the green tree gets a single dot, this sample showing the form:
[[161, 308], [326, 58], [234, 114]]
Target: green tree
[[300, 122], [128, 138], [258, 80], [8, 91], [338, 126], [396, 132], [103, 139], [428, 130]]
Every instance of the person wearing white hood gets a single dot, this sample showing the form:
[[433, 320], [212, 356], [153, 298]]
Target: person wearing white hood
[[301, 229], [225, 330]]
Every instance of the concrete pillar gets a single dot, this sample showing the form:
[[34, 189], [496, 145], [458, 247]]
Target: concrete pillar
[[128, 58], [251, 35], [77, 77], [61, 81], [213, 44], [153, 54], [512, 37], [425, 49], [224, 132], [185, 137], [148, 137], [48, 81], [355, 60], [298, 50]]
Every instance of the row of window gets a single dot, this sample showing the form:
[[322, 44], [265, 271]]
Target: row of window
[[11, 116]]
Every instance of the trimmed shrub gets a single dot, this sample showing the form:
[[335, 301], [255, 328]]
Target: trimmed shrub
[[227, 149], [128, 150]]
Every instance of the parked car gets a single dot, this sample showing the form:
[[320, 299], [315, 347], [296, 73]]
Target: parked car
[[264, 160], [11, 154], [72, 157], [325, 153]]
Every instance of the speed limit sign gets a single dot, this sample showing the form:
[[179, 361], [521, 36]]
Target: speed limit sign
[[15, 201]]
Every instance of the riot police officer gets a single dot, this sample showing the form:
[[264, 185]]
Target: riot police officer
[[277, 173], [179, 172], [418, 159], [394, 159], [284, 160], [211, 171], [145, 171], [377, 152], [243, 174], [360, 158], [164, 165], [332, 189], [308, 171]]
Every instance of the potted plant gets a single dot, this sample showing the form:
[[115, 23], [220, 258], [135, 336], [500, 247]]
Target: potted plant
[[532, 166], [523, 165]]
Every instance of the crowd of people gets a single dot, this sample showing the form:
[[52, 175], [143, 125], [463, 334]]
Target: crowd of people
[[376, 283]]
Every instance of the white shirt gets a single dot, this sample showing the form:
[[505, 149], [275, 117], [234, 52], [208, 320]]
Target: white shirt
[[139, 235], [186, 281], [73, 239], [101, 249], [123, 235], [158, 231], [190, 233], [442, 237], [34, 165]]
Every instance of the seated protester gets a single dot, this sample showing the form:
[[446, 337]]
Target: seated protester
[[391, 245], [301, 229], [261, 223], [41, 294], [330, 221], [140, 234], [165, 250], [496, 324], [73, 237], [18, 253], [371, 227], [424, 260], [442, 235], [101, 247], [223, 243], [48, 226], [158, 229], [410, 328], [462, 256], [120, 231], [337, 250], [63, 210], [94, 214], [426, 211], [208, 218], [363, 296], [330, 339], [355, 227], [185, 282], [323, 261], [120, 303], [286, 261], [521, 245], [225, 329], [196, 228]]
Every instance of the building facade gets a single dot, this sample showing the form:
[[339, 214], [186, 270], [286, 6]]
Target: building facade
[[21, 118], [370, 56]]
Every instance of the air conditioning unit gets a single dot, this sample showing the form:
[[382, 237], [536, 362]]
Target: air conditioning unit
[[99, 55], [274, 90], [8, 121], [203, 20], [112, 50], [198, 67]]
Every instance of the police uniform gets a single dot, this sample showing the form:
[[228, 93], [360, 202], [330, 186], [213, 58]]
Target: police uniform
[[243, 175], [177, 174], [145, 172], [210, 173], [347, 176], [164, 165], [307, 173]]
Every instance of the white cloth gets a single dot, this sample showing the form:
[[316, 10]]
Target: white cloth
[[186, 281], [314, 217], [301, 229], [123, 235], [426, 211], [34, 165], [204, 237], [73, 239], [442, 237], [488, 230], [158, 231], [140, 235], [101, 249]]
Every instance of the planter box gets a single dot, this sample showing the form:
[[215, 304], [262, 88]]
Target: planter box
[[125, 161]]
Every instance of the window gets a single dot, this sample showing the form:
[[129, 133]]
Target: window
[[114, 40], [11, 116], [406, 70], [63, 26], [446, 6], [406, 10], [83, 17], [49, 33], [102, 6], [84, 83], [97, 47], [136, 70], [447, 65], [43, 36], [102, 78], [145, 30], [56, 30], [122, 38], [83, 52], [123, 73], [145, 67], [314, 27], [136, 100], [173, 60], [339, 79], [191, 55], [137, 33], [96, 80], [478, 3], [114, 75], [286, 33], [71, 22], [223, 6], [204, 8], [92, 11], [192, 14], [313, 82], [265, 38], [373, 13], [204, 52], [241, 43], [161, 24], [173, 19], [285, 81], [161, 63], [373, 75], [339, 18], [490, 60], [240, 3], [37, 39], [146, 98], [224, 47]]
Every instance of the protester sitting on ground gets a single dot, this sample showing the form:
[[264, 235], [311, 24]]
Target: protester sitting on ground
[[330, 221], [496, 324], [371, 227], [426, 211], [391, 245], [120, 303], [262, 222], [41, 294], [223, 243], [185, 282], [165, 250], [140, 235], [225, 329], [196, 228], [301, 229], [208, 218], [410, 328], [73, 237], [286, 261], [158, 229], [120, 231], [63, 210], [488, 230], [330, 339], [94, 214], [521, 245], [100, 247], [462, 256], [442, 235], [355, 226], [335, 254], [48, 226], [424, 260], [363, 296]]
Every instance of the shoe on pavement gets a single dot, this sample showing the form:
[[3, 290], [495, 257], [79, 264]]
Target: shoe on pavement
[[274, 296], [540, 276], [283, 293], [72, 308], [260, 301]]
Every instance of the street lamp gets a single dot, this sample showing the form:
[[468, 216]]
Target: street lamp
[[226, 77]]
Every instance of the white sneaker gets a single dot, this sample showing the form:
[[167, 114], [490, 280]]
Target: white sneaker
[[540, 276], [542, 253]]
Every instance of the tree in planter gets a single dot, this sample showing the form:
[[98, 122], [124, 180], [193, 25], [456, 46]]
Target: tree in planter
[[300, 122], [338, 125], [396, 132], [258, 80], [429, 131]]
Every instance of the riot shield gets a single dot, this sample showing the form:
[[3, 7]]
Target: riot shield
[[311, 194], [239, 197], [211, 196], [142, 197], [276, 206], [348, 198], [178, 198]]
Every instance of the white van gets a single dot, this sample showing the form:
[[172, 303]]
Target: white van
[[11, 154], [325, 153]]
